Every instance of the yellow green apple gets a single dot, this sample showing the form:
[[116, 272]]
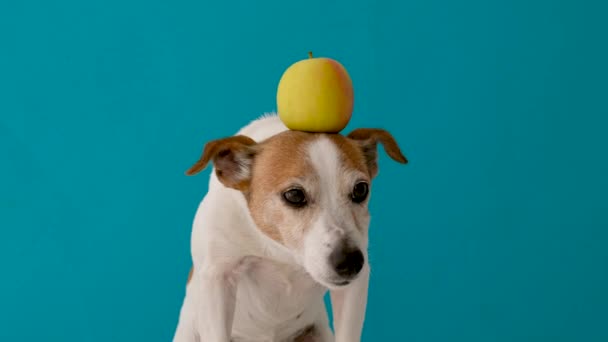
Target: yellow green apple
[[315, 95]]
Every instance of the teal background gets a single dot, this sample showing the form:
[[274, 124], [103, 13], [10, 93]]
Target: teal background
[[496, 230]]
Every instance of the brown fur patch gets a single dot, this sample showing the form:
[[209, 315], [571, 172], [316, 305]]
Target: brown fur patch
[[351, 154], [279, 159], [228, 156], [190, 275], [309, 334], [368, 139]]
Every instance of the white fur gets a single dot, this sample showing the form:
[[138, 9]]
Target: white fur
[[247, 287], [335, 220]]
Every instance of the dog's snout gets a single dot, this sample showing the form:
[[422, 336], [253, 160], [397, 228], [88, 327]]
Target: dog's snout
[[347, 261]]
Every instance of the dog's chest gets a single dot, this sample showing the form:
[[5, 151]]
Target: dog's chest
[[275, 300]]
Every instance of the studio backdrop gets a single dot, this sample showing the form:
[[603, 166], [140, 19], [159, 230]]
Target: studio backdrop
[[497, 229]]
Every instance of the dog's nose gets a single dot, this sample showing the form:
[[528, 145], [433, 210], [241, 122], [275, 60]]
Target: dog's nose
[[347, 261]]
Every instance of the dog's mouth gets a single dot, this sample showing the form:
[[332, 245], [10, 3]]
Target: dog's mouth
[[341, 283], [333, 282]]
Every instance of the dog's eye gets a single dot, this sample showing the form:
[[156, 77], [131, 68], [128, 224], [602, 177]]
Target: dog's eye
[[360, 192], [295, 197]]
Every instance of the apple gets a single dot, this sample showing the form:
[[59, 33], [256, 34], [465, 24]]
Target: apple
[[315, 95]]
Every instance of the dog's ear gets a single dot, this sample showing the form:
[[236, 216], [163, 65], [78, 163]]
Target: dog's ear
[[368, 139], [232, 158]]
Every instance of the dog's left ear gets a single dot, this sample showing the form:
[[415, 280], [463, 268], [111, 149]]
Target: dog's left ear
[[368, 139], [232, 158]]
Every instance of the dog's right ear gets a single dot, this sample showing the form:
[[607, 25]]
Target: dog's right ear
[[368, 139], [232, 158]]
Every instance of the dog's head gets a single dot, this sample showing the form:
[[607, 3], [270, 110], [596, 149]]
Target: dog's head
[[307, 191]]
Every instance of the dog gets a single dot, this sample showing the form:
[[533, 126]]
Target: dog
[[284, 221]]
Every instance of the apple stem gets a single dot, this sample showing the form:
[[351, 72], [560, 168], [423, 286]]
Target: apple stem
[[309, 54]]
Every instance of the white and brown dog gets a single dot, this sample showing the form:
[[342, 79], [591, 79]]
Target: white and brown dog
[[285, 220]]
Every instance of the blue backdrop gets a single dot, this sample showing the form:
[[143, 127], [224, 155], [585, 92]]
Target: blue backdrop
[[496, 231]]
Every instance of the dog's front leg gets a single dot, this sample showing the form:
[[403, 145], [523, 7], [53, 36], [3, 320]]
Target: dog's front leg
[[348, 307], [216, 304]]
